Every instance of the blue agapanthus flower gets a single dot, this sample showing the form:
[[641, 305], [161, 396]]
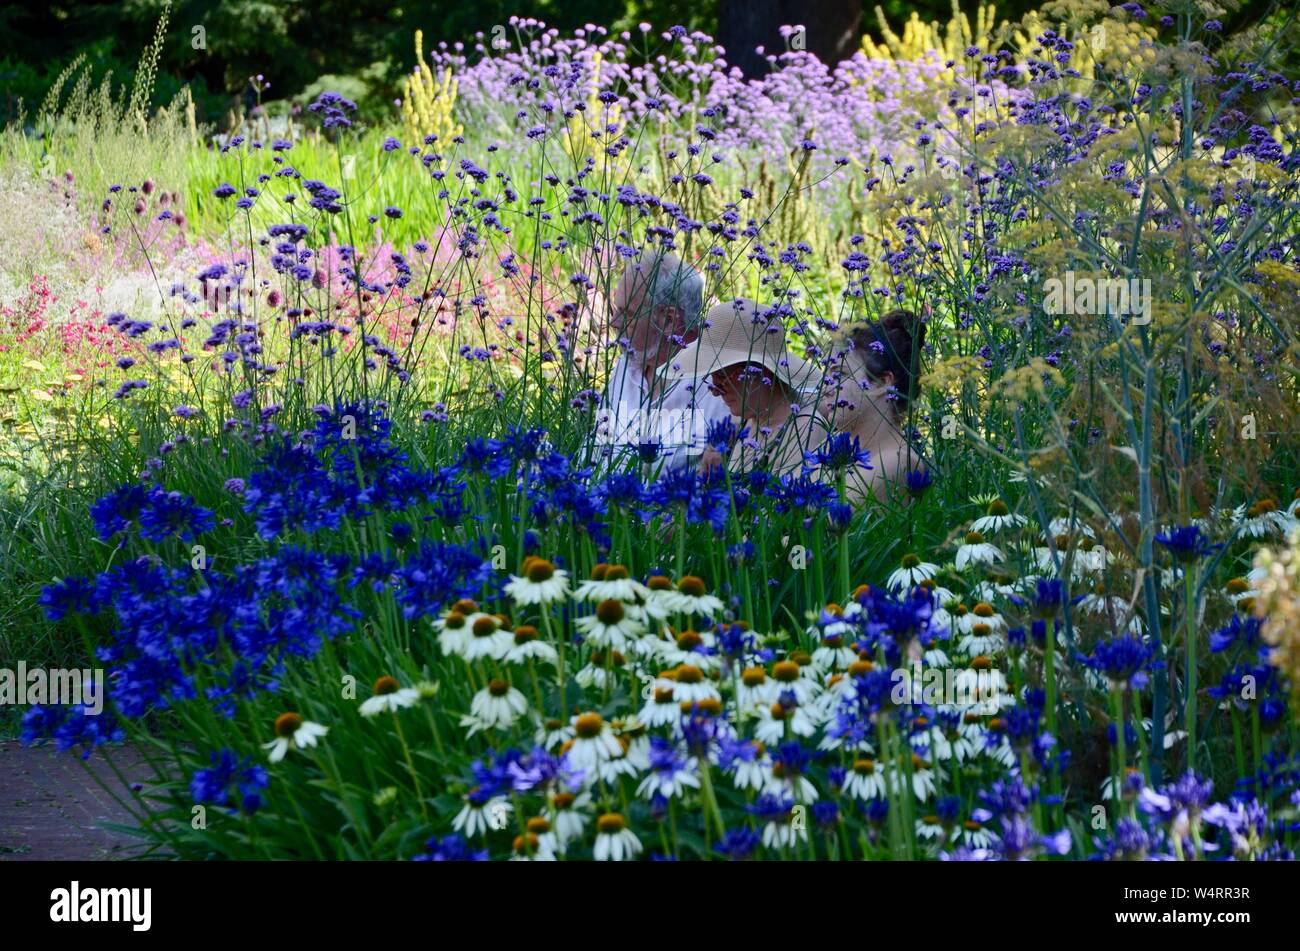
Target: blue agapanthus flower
[[437, 573], [71, 727], [1122, 660], [738, 843], [1187, 543], [451, 848], [230, 775], [840, 451]]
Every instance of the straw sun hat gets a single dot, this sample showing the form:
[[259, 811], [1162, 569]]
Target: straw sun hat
[[735, 332]]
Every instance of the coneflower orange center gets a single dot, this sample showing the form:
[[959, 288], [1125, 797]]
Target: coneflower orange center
[[287, 724], [692, 586], [588, 725]]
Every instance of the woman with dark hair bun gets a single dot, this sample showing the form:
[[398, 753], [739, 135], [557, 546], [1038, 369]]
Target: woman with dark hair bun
[[868, 388]]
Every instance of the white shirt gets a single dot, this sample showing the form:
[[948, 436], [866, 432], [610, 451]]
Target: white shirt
[[677, 417]]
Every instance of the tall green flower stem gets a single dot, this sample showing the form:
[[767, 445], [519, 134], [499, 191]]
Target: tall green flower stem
[[710, 800], [1189, 701], [410, 765], [1121, 757], [559, 667], [845, 589]]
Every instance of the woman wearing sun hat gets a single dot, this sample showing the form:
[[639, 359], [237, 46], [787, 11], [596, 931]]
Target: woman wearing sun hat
[[742, 352]]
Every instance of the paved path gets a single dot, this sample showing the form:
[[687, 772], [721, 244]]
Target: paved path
[[51, 808]]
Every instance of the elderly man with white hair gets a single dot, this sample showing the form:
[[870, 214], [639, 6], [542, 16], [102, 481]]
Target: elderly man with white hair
[[655, 310]]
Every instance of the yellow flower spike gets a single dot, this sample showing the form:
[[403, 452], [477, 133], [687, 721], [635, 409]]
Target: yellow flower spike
[[429, 102]]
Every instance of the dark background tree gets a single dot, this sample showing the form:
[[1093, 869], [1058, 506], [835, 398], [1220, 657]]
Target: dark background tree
[[294, 44], [833, 28]]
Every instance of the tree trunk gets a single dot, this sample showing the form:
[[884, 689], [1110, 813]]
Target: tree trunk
[[833, 30]]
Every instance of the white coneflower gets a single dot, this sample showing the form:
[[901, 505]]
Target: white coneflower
[[935, 656], [477, 818], [653, 647], [962, 740], [991, 590], [1088, 557], [1062, 526], [670, 779], [939, 594], [996, 746], [292, 732], [690, 685], [1240, 589], [1118, 612], [865, 780], [1264, 518], [551, 733], [998, 518], [636, 741], [691, 596], [497, 706], [661, 708], [790, 674], [614, 840], [453, 633], [659, 587], [529, 646], [488, 638], [928, 741], [782, 783], [974, 835], [594, 742], [982, 686], [602, 670], [538, 843], [974, 550], [982, 612], [1092, 558], [772, 722], [531, 847], [946, 614], [755, 689], [923, 786], [612, 770], [389, 695], [541, 583], [931, 829], [833, 653], [613, 625], [984, 637], [691, 647], [611, 582], [568, 816], [910, 572], [839, 687], [750, 765], [939, 744], [782, 834]]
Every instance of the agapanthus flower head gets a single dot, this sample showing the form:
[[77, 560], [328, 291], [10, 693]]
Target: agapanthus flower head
[[1187, 543], [451, 848], [1186, 796], [1123, 660], [918, 481], [840, 452]]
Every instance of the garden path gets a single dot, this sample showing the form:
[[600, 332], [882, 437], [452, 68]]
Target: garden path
[[52, 809]]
